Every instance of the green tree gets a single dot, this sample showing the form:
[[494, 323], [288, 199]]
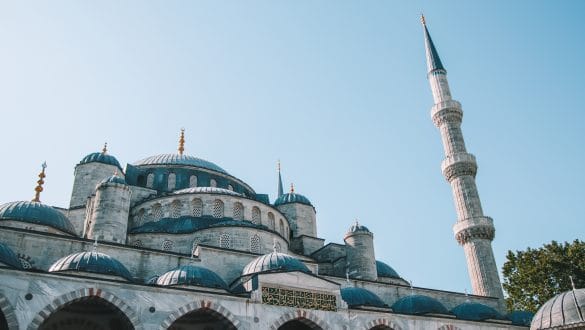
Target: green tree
[[534, 276]]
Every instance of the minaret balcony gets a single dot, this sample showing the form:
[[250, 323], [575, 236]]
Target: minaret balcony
[[459, 164], [474, 228]]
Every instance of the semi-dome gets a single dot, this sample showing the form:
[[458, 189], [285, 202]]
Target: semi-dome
[[192, 275], [522, 318], [8, 257], [176, 159], [566, 310], [475, 312], [207, 190], [292, 197], [419, 305], [100, 157], [114, 179], [361, 297], [91, 262], [274, 262], [36, 213], [384, 270]]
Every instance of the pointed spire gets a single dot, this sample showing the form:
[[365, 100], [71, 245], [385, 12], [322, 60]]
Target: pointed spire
[[292, 188], [105, 148], [433, 60], [182, 142], [280, 189], [40, 183]]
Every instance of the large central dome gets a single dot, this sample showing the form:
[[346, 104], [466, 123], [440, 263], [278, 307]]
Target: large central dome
[[176, 159]]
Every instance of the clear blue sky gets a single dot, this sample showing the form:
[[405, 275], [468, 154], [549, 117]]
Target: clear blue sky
[[336, 89]]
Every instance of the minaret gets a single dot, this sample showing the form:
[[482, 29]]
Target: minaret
[[473, 230]]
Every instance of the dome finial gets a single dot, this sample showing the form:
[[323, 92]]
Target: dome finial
[[95, 245], [572, 283], [40, 183], [422, 19], [105, 148], [274, 245], [292, 188], [182, 142]]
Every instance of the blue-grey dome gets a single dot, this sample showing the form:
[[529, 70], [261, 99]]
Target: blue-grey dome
[[292, 198], [522, 318], [361, 297], [100, 157], [192, 275], [356, 227], [8, 257], [114, 179], [207, 190], [384, 270], [36, 213], [475, 312], [419, 305], [189, 224], [275, 261], [565, 310], [176, 159], [91, 262]]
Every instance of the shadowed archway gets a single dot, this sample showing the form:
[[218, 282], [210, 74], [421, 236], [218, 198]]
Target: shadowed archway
[[300, 324], [202, 319]]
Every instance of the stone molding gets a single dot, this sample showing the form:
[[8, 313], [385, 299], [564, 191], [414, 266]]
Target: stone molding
[[208, 305], [459, 164], [448, 327], [384, 322], [8, 312], [447, 111], [474, 228], [77, 295], [303, 316]]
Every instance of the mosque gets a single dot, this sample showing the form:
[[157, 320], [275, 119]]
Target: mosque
[[176, 242]]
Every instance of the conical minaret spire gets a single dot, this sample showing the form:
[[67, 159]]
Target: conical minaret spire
[[473, 230], [280, 189]]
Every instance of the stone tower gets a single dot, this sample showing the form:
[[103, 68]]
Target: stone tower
[[361, 260], [110, 209], [473, 230]]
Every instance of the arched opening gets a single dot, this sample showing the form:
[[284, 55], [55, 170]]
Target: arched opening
[[87, 313], [202, 319], [3, 321], [381, 327], [299, 324]]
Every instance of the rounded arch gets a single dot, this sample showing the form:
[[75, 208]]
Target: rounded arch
[[201, 305], [8, 311], [448, 327], [71, 297], [382, 323], [303, 316]]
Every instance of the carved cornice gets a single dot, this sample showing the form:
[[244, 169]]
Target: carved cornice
[[448, 111], [459, 168], [474, 228]]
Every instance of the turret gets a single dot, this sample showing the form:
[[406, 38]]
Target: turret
[[473, 230], [300, 213], [109, 210], [361, 259]]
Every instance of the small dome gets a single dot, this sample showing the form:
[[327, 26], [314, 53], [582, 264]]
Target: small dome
[[8, 257], [356, 227], [91, 262], [384, 270], [100, 157], [114, 179], [176, 159], [361, 297], [522, 318], [565, 310], [36, 213], [207, 190], [419, 305], [275, 261], [192, 275], [292, 198], [475, 312]]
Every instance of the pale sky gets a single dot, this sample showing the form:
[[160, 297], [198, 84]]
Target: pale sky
[[336, 90]]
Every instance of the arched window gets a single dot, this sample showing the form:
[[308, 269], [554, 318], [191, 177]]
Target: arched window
[[230, 187], [238, 211], [218, 209], [150, 180], [271, 220], [213, 183], [197, 207], [225, 241], [281, 227], [256, 215], [255, 244], [175, 209], [172, 181], [193, 181], [167, 245], [157, 212]]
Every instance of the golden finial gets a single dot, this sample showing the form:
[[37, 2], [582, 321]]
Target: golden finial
[[40, 183], [182, 142], [105, 149], [292, 188], [422, 20]]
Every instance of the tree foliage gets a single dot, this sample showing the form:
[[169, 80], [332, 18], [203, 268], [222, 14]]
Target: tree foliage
[[534, 276]]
